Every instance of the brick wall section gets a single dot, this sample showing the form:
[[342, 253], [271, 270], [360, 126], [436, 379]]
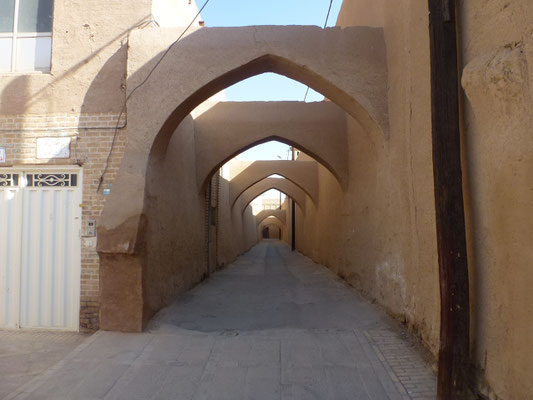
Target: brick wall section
[[91, 136]]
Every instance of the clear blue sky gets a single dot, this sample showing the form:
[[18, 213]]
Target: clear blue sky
[[269, 87], [268, 12]]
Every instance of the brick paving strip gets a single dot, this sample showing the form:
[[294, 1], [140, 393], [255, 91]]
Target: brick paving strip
[[413, 378]]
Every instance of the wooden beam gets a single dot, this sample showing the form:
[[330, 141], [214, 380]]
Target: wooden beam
[[449, 207]]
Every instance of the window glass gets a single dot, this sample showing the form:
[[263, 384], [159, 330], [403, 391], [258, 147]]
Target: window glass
[[35, 15], [7, 9], [33, 54], [5, 54]]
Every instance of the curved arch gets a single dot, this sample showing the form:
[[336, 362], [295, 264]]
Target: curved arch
[[229, 128], [272, 224], [279, 214], [272, 221], [304, 174], [355, 105], [285, 186], [347, 65]]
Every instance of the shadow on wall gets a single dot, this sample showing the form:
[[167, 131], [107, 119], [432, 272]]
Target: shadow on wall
[[141, 257], [319, 129], [170, 255], [19, 85], [101, 95], [24, 152]]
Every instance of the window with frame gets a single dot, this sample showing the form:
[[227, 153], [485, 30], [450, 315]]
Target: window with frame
[[25, 35]]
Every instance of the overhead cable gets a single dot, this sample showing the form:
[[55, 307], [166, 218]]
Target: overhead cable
[[325, 25], [138, 86]]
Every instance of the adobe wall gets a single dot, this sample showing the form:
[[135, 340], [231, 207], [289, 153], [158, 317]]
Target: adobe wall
[[171, 251], [175, 224], [273, 231], [236, 229], [380, 233], [365, 234], [88, 52], [227, 128], [497, 55]]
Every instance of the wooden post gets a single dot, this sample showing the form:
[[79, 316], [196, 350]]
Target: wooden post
[[449, 206]]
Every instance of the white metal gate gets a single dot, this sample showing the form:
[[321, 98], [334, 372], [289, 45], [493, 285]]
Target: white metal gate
[[40, 247]]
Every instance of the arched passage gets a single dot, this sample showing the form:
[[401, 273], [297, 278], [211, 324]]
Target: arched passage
[[279, 214], [302, 173], [273, 231], [318, 129], [273, 222], [347, 65], [283, 185]]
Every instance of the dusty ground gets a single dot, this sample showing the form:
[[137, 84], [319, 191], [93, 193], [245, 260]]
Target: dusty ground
[[273, 325]]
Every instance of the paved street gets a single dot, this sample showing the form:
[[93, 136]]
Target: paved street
[[273, 325], [24, 355]]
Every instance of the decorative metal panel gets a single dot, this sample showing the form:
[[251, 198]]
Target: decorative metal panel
[[51, 180], [9, 180]]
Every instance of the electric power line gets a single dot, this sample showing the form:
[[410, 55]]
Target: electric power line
[[325, 25], [138, 86]]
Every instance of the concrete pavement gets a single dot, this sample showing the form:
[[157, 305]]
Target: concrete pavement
[[24, 355], [273, 325]]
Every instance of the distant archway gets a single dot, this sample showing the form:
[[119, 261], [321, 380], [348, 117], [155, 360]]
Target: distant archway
[[279, 214], [228, 128], [304, 174], [285, 186], [347, 65]]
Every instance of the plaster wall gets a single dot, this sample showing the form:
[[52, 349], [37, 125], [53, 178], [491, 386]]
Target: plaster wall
[[172, 242], [229, 127], [274, 231], [88, 61], [172, 13], [303, 174], [283, 185], [175, 231], [379, 234], [236, 229], [497, 56], [234, 54], [277, 230], [278, 213]]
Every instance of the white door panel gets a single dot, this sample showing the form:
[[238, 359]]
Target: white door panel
[[10, 224], [49, 249]]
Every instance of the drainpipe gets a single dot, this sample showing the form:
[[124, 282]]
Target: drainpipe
[[454, 352], [293, 214], [209, 190]]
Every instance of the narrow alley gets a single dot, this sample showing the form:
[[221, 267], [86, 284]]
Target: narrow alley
[[272, 325]]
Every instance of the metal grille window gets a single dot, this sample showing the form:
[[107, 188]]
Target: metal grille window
[[47, 180], [9, 180], [25, 35]]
